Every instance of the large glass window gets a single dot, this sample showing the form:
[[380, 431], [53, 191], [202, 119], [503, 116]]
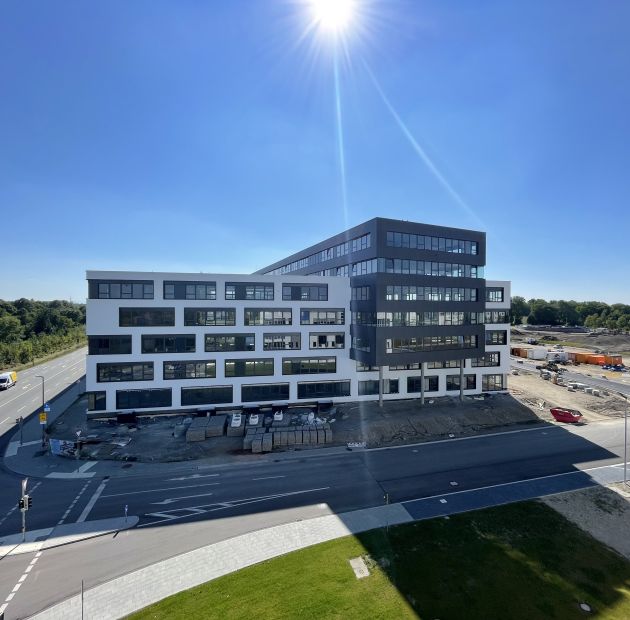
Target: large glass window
[[96, 401], [494, 293], [429, 293], [322, 317], [452, 382], [146, 317], [360, 293], [109, 345], [427, 242], [176, 289], [120, 289], [215, 395], [414, 384], [429, 343], [249, 367], [324, 340], [427, 268], [305, 292], [190, 370], [496, 336], [323, 389], [444, 364], [261, 316], [248, 290], [492, 383], [361, 344], [143, 399], [264, 391], [272, 342], [497, 316], [160, 343], [416, 319], [141, 371], [489, 359], [308, 365], [209, 317], [370, 387], [230, 342]]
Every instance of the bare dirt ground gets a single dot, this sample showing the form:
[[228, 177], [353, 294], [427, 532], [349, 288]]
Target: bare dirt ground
[[398, 422], [603, 512], [540, 395]]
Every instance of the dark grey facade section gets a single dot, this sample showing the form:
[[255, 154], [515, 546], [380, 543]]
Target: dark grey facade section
[[391, 264]]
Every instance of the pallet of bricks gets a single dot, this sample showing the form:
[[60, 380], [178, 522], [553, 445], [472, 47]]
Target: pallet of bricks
[[197, 429], [264, 440]]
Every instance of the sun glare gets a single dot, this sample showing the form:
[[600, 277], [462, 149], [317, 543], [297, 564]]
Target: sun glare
[[332, 16]]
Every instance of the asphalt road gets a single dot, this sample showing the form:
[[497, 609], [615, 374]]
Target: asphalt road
[[184, 511]]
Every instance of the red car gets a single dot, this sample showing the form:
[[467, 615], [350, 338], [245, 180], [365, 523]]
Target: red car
[[566, 415]]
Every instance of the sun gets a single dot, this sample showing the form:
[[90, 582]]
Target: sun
[[332, 16]]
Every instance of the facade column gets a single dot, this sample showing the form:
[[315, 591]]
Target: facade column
[[422, 383], [461, 379], [380, 387]]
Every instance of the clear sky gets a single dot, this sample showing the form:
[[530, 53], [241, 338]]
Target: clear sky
[[202, 136]]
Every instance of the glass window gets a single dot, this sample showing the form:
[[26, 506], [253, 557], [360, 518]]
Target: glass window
[[161, 343], [370, 387], [120, 289], [230, 342], [142, 399], [452, 382], [190, 370], [306, 365], [489, 359], [431, 384], [494, 294], [496, 336], [209, 317], [265, 391], [322, 317], [109, 345], [281, 341], [491, 383], [248, 291], [141, 371], [215, 395], [305, 292], [186, 289], [323, 389], [324, 340], [146, 317], [261, 316], [96, 401], [249, 367]]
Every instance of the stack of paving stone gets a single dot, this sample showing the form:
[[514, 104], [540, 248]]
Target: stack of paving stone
[[257, 440], [197, 429], [250, 434], [216, 426], [239, 429]]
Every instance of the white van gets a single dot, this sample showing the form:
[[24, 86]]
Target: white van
[[8, 379]]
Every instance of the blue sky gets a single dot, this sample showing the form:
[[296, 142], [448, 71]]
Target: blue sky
[[201, 136]]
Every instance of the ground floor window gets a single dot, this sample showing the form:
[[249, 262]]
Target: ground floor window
[[207, 395], [142, 399], [370, 388], [264, 391], [431, 384], [491, 383], [323, 389], [96, 401], [452, 382]]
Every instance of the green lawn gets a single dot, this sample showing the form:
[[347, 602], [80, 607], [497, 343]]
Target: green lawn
[[518, 561]]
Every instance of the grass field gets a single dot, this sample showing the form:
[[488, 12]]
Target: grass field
[[518, 561]]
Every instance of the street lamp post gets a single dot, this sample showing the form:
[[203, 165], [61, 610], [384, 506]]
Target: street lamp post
[[625, 439], [43, 405]]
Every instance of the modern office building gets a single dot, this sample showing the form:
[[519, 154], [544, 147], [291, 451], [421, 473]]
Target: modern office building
[[388, 309]]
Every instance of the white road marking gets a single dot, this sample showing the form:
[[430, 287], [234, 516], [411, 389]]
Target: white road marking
[[196, 486], [74, 501], [90, 504], [5, 419], [164, 502], [268, 477], [193, 476]]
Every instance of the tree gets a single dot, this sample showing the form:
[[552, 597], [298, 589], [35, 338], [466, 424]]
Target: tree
[[518, 309], [542, 313], [10, 329]]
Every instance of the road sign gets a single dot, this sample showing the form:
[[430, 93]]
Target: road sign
[[46, 408], [42, 418]]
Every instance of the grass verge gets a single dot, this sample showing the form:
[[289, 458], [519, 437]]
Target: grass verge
[[48, 358], [519, 561]]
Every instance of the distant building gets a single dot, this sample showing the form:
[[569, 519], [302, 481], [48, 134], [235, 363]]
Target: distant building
[[388, 304]]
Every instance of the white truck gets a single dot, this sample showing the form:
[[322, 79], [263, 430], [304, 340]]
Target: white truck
[[8, 379]]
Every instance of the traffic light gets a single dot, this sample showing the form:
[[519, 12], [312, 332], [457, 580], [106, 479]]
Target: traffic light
[[29, 501], [21, 503]]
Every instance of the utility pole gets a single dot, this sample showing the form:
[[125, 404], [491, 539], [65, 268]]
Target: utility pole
[[24, 505], [625, 440], [42, 411]]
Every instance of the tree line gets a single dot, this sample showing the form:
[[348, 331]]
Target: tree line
[[33, 329], [590, 314]]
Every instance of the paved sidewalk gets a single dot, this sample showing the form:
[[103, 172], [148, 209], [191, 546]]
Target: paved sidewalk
[[143, 587], [39, 540]]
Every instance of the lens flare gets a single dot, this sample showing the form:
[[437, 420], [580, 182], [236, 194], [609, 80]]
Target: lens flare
[[332, 15]]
